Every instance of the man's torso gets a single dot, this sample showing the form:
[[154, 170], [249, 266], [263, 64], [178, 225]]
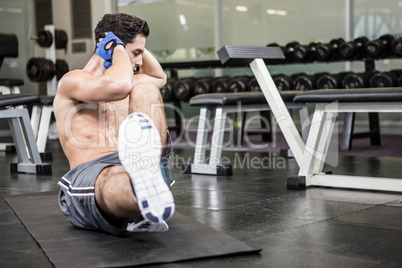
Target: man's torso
[[87, 130]]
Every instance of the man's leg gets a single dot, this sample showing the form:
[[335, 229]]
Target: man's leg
[[116, 201], [114, 195], [142, 138], [113, 188], [146, 98]]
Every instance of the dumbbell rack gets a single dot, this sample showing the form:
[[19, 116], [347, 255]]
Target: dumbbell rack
[[50, 54], [42, 113], [348, 129], [173, 67], [374, 127]]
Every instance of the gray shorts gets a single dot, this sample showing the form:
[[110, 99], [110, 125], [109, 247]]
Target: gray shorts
[[77, 199]]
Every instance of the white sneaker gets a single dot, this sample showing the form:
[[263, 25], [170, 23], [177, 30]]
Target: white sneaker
[[142, 225], [139, 153]]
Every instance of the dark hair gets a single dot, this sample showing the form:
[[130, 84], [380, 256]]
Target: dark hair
[[125, 27]]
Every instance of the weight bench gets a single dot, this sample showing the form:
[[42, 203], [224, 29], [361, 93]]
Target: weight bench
[[40, 121], [29, 160], [221, 104], [328, 104], [229, 103], [311, 157], [10, 86]]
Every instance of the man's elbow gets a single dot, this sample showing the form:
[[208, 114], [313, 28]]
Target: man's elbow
[[117, 87], [121, 89], [162, 81], [126, 88]]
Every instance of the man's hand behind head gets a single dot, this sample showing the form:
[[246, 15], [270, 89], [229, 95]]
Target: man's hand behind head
[[105, 48]]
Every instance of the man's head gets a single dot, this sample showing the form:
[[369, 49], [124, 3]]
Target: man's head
[[125, 27]]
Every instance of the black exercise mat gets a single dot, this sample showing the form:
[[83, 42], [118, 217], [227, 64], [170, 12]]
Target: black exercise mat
[[67, 246]]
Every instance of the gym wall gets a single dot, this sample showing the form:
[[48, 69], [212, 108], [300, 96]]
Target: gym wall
[[194, 30], [14, 18], [18, 16], [186, 30]]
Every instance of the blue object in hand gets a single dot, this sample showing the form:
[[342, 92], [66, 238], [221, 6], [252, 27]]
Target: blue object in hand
[[106, 53]]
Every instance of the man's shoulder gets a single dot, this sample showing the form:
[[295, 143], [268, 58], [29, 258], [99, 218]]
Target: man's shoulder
[[69, 81], [76, 73], [66, 86]]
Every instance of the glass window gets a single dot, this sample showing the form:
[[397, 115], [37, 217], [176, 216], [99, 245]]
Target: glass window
[[185, 29], [179, 30], [259, 22], [376, 18], [16, 16]]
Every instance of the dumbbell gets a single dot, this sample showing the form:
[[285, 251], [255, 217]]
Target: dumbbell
[[304, 53], [328, 51], [357, 80], [380, 47], [61, 39], [61, 68], [289, 48], [355, 49], [331, 81], [283, 82], [45, 38], [183, 88], [220, 84], [167, 89], [238, 84], [306, 82], [385, 79], [253, 85], [294, 76], [40, 69], [397, 46], [202, 85]]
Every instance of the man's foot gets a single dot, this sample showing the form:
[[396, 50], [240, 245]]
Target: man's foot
[[139, 153]]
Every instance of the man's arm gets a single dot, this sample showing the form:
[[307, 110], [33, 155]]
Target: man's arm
[[115, 84], [150, 71]]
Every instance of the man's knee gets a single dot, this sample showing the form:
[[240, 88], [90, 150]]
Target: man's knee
[[146, 91], [111, 186]]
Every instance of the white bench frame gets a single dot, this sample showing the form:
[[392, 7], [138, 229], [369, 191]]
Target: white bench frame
[[213, 167], [311, 157], [317, 148], [40, 120], [25, 143]]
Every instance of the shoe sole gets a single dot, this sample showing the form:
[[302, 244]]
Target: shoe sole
[[153, 195], [144, 226]]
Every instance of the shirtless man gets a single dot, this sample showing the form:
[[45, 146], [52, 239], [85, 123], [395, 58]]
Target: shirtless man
[[112, 128]]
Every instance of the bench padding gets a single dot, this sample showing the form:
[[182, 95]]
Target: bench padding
[[8, 45], [46, 100], [18, 99], [11, 82], [238, 55], [393, 94], [227, 99]]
